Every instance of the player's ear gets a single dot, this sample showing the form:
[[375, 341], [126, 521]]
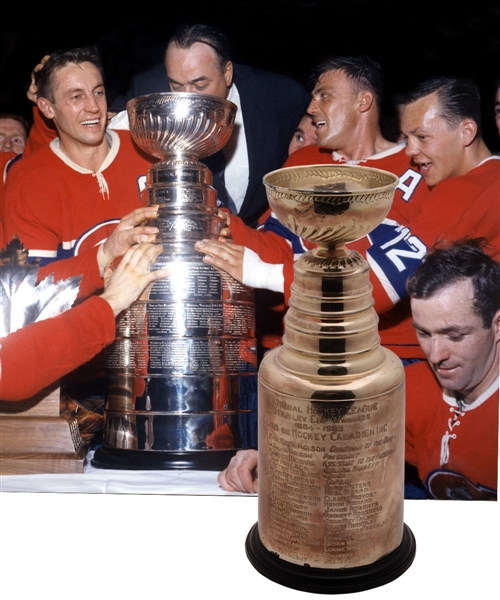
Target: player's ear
[[468, 131], [365, 100], [45, 108], [496, 326], [228, 73]]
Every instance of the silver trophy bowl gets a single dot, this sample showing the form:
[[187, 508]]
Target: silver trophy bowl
[[181, 123]]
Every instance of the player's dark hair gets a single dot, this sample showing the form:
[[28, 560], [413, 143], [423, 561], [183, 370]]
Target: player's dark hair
[[17, 118], [459, 99], [188, 34], [464, 259], [363, 72], [44, 79]]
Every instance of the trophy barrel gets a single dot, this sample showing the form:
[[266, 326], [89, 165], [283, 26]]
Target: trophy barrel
[[331, 415], [182, 372]]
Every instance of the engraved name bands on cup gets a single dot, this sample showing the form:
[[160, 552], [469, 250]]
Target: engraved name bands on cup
[[185, 225], [184, 175], [325, 489], [197, 281], [187, 319], [196, 196], [182, 356]]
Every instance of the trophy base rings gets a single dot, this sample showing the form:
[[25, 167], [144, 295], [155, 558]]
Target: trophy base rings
[[203, 460], [331, 581]]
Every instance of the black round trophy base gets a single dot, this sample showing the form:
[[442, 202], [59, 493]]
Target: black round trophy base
[[330, 581], [147, 460]]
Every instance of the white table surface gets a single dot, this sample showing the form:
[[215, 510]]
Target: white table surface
[[113, 481], [152, 545]]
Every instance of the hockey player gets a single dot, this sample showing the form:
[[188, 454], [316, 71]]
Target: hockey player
[[13, 133], [345, 109], [304, 135], [452, 400], [441, 121], [66, 198]]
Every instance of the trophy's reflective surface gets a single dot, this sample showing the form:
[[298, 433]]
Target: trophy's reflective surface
[[331, 400], [182, 373]]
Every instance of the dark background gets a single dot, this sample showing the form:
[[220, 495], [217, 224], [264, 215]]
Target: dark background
[[412, 40]]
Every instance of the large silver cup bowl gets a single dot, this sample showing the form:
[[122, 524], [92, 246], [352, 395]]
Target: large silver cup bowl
[[330, 204], [181, 123]]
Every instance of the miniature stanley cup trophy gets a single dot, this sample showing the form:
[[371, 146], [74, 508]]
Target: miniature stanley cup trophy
[[182, 372], [331, 400]]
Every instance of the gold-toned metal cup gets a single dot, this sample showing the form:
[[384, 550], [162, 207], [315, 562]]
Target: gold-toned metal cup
[[331, 400]]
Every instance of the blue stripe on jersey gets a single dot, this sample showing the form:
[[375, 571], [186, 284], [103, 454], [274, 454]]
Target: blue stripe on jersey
[[88, 239], [396, 253], [272, 224]]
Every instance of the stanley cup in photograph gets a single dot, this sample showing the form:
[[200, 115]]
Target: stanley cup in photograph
[[331, 400], [182, 372]]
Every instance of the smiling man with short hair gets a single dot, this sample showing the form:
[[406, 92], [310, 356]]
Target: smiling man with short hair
[[65, 199], [441, 121]]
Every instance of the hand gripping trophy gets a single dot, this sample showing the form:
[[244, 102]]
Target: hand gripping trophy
[[331, 400]]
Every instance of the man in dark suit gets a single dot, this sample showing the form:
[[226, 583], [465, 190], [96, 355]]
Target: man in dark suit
[[270, 107]]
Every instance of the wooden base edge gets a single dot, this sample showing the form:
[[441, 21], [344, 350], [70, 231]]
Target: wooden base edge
[[33, 464]]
